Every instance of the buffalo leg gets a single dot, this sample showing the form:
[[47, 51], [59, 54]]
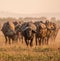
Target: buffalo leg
[[43, 39], [39, 41], [22, 38], [36, 41], [26, 42], [47, 41], [9, 40], [6, 39], [31, 42]]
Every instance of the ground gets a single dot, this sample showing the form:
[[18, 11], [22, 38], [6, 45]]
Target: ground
[[20, 52]]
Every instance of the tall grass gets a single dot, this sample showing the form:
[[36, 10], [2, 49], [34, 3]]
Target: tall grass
[[36, 54]]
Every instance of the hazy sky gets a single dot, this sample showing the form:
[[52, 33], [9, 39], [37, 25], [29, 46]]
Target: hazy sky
[[30, 6]]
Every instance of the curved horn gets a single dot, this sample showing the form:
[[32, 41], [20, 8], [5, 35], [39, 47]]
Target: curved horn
[[25, 28]]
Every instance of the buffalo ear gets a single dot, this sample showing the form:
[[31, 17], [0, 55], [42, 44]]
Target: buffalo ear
[[33, 31]]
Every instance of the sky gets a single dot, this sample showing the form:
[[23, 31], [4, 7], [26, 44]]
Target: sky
[[30, 6]]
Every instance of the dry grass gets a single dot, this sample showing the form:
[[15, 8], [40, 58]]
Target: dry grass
[[20, 52], [28, 54]]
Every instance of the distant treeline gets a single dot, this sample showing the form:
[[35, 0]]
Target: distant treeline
[[52, 19]]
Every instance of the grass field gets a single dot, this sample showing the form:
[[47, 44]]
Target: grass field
[[20, 52]]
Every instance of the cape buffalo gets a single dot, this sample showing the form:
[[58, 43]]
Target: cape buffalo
[[8, 30]]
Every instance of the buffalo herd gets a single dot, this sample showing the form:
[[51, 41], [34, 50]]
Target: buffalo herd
[[28, 31]]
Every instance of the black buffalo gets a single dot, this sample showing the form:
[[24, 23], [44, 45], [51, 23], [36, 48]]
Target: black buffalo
[[27, 31], [8, 30]]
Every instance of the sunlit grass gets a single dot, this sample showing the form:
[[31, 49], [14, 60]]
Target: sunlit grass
[[28, 54]]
